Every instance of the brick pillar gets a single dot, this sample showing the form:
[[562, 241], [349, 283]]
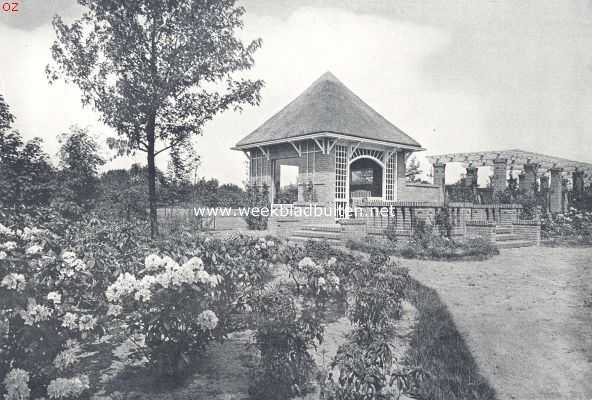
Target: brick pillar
[[544, 183], [545, 190], [564, 198], [522, 181], [471, 180], [555, 190], [530, 170], [578, 184], [499, 175], [439, 173]]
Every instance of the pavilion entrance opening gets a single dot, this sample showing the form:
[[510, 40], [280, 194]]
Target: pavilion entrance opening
[[366, 178]]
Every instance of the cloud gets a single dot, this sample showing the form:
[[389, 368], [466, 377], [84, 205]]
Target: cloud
[[34, 13]]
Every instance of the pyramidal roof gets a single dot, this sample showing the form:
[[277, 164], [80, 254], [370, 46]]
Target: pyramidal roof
[[327, 106]]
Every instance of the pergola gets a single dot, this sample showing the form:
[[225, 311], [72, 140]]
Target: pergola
[[553, 172], [515, 159]]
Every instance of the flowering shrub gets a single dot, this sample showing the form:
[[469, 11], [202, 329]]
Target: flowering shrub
[[169, 305], [176, 307], [574, 225], [47, 303]]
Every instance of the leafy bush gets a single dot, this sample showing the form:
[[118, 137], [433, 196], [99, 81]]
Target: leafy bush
[[257, 198], [391, 233], [284, 335], [48, 302], [364, 366], [428, 245]]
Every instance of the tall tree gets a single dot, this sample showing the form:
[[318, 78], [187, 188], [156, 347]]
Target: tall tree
[[156, 70], [413, 170], [79, 163], [6, 117]]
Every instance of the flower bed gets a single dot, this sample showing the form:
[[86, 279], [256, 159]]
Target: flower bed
[[571, 228], [172, 301], [437, 248]]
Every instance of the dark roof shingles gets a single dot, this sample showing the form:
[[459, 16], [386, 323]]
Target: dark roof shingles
[[328, 106]]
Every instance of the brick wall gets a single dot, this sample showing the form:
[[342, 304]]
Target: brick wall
[[527, 230], [481, 229], [418, 192]]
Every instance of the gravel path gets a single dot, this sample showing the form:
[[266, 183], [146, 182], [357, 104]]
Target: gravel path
[[527, 318]]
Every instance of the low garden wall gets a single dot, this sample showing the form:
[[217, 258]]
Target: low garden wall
[[482, 229], [528, 230]]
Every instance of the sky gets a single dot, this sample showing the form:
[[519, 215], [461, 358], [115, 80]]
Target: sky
[[455, 75]]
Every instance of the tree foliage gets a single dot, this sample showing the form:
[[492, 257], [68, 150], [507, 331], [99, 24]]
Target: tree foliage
[[78, 174], [6, 117], [156, 70]]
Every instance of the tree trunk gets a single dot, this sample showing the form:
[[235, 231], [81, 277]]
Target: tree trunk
[[152, 177]]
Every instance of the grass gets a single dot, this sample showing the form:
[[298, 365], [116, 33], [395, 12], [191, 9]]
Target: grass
[[441, 352]]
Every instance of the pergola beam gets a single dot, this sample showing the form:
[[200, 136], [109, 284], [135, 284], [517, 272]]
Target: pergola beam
[[515, 160]]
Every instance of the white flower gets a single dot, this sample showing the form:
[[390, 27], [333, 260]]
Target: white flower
[[143, 294], [3, 255], [169, 263], [34, 250], [321, 281], [14, 281], [333, 280], [70, 321], [331, 261], [17, 384], [114, 310], [153, 262], [64, 388], [270, 243], [125, 285], [306, 262], [86, 323], [207, 320], [65, 359], [54, 297], [29, 234], [68, 257], [8, 246], [35, 313], [194, 263]]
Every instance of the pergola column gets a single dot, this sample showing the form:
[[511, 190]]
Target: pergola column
[[530, 170], [471, 179], [555, 191], [439, 174], [522, 181], [499, 181], [564, 194], [578, 184]]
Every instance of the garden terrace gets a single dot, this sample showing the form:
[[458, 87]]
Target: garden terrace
[[545, 175]]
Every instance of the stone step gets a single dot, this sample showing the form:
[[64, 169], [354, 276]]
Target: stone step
[[504, 237], [511, 244], [323, 227], [500, 229], [318, 234], [302, 239]]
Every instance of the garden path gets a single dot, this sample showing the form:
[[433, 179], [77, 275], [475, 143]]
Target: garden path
[[526, 316]]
